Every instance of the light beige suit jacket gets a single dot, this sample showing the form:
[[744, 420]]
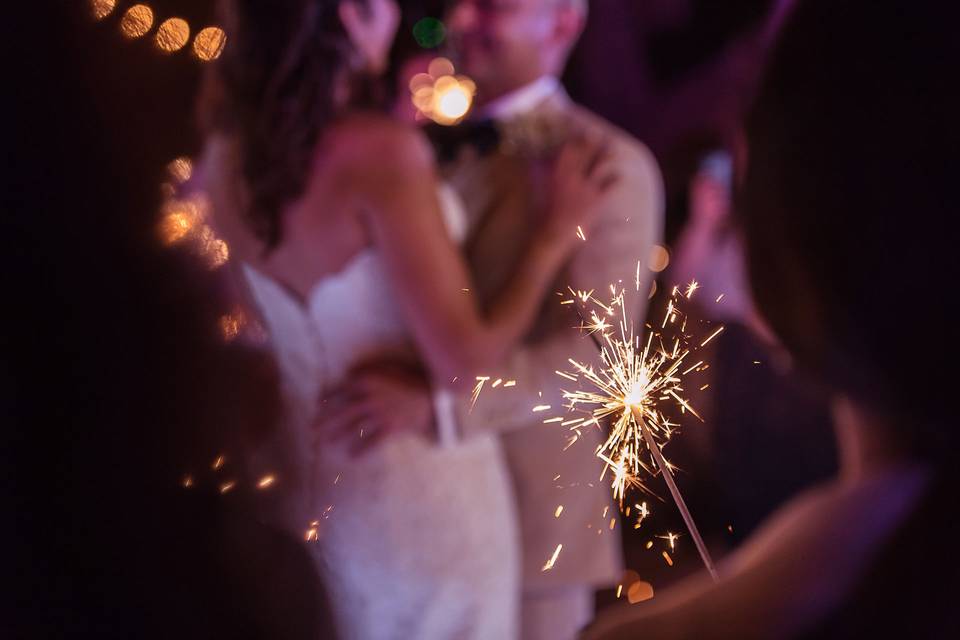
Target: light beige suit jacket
[[505, 196]]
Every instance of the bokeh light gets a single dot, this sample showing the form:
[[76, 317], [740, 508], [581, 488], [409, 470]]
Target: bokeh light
[[429, 32], [217, 253], [137, 21], [659, 258], [180, 169], [209, 43], [185, 221], [172, 35], [454, 103], [440, 67], [232, 324], [102, 8], [440, 95]]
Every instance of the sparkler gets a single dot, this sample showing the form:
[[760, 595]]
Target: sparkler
[[635, 379]]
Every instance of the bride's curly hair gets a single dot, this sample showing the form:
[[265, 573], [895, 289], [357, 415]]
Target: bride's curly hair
[[272, 92]]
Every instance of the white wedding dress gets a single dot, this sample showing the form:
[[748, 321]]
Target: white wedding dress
[[416, 540]]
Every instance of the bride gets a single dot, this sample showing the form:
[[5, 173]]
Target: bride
[[333, 214]]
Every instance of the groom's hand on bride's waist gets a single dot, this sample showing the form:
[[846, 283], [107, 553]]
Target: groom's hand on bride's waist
[[374, 402]]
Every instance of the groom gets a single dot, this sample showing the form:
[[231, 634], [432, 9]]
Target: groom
[[515, 50]]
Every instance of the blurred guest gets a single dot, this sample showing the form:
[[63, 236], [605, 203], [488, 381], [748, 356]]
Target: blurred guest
[[117, 384], [348, 253], [766, 432], [515, 52], [851, 132]]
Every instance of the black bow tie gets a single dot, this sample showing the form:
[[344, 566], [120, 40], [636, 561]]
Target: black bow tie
[[481, 135]]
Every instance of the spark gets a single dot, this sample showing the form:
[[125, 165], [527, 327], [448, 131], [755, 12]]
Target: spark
[[642, 514], [666, 556], [596, 324], [692, 288], [553, 559], [187, 482], [266, 481], [217, 463], [556, 514], [711, 336], [671, 539], [580, 234], [476, 390], [227, 486], [541, 407], [509, 383], [720, 297]]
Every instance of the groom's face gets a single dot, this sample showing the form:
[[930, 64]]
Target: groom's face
[[504, 44]]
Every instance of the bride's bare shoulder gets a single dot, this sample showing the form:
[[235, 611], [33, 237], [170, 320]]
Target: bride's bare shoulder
[[374, 141]]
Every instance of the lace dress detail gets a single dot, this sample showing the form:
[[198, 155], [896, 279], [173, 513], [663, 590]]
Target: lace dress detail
[[416, 540]]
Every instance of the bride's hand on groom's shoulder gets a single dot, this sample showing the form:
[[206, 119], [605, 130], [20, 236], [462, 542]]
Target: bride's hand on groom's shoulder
[[374, 402], [583, 174]]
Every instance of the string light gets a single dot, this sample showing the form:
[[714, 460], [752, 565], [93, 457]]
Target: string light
[[172, 35], [137, 21], [102, 8], [208, 43]]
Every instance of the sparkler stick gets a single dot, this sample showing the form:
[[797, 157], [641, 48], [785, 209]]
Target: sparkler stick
[[677, 497]]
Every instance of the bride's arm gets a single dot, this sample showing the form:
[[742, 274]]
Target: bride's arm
[[430, 275]]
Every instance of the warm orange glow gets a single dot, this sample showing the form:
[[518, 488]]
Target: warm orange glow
[[639, 591], [137, 21], [174, 227], [440, 95], [659, 258], [209, 43], [172, 35], [102, 8], [231, 324]]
